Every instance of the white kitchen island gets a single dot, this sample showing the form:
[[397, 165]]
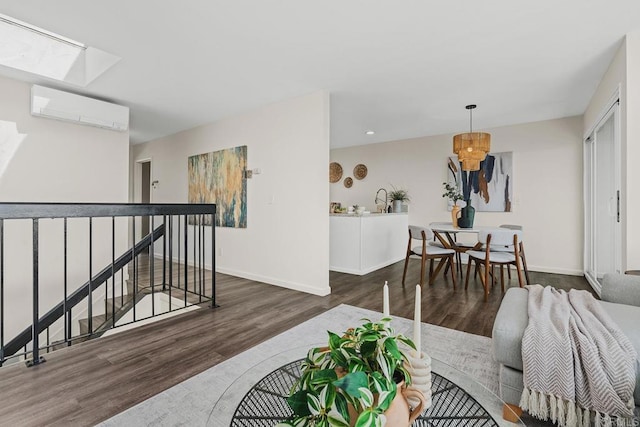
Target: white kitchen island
[[360, 244]]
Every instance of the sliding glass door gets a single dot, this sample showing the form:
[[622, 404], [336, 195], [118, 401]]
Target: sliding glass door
[[602, 199]]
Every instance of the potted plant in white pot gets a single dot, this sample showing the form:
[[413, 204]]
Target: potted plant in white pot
[[397, 197], [359, 380]]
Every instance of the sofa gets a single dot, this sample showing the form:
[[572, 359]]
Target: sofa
[[620, 299]]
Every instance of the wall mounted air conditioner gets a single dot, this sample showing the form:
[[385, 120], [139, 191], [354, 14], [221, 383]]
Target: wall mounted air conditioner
[[60, 105]]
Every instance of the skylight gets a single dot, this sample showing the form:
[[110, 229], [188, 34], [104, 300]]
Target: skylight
[[26, 47]]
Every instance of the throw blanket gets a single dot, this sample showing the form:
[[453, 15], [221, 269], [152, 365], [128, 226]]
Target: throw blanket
[[577, 364]]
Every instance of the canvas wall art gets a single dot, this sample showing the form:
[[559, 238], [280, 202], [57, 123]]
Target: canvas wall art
[[219, 177], [491, 188]]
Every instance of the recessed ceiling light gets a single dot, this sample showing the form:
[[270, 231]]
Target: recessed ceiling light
[[369, 132]]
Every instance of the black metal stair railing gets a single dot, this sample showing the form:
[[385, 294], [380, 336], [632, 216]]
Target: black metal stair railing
[[175, 241], [80, 294]]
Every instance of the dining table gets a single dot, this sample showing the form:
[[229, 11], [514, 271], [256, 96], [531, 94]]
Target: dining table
[[446, 233]]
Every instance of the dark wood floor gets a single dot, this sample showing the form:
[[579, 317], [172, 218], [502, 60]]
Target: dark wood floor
[[92, 381]]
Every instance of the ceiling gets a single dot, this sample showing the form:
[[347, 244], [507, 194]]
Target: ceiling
[[401, 68]]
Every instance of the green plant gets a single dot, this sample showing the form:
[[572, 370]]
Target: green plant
[[352, 370], [452, 192], [398, 194]]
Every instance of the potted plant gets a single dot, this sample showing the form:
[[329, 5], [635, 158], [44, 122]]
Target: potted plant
[[355, 380], [397, 197], [452, 192]]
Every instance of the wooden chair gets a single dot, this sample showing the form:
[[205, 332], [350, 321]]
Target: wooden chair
[[460, 248], [524, 258], [428, 252], [490, 251]]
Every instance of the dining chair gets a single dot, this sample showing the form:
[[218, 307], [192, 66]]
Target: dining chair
[[453, 243], [426, 252], [434, 241], [490, 251], [524, 258]]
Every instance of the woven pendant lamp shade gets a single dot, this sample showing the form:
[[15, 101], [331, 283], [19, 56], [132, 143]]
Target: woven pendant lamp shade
[[471, 147]]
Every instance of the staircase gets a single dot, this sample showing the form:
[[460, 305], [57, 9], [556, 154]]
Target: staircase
[[136, 291], [176, 273]]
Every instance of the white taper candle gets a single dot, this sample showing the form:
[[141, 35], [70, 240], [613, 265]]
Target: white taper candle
[[417, 318], [385, 300]]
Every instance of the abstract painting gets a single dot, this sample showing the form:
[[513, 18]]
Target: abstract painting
[[490, 188], [219, 177]]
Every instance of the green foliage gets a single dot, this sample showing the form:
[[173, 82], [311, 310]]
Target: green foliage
[[398, 194], [356, 369], [452, 192]]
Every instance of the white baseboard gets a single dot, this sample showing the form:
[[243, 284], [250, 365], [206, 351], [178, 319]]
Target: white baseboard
[[542, 269], [554, 270], [274, 281], [347, 270], [323, 292], [366, 270], [260, 278]]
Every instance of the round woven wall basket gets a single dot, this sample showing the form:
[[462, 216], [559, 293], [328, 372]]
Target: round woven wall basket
[[348, 182], [335, 172], [360, 171]]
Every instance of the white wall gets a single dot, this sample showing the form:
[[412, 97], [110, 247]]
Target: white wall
[[286, 242], [56, 162], [547, 184], [623, 74]]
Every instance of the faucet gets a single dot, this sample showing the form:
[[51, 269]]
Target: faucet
[[386, 197]]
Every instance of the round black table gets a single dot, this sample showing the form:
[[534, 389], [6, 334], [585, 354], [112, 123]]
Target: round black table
[[265, 404]]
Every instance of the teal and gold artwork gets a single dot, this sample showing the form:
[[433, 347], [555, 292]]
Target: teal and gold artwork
[[219, 177]]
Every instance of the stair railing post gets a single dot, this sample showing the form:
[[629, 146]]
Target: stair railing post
[[164, 253], [35, 329], [1, 291], [152, 271], [186, 263], [66, 311], [90, 296], [213, 257], [170, 258], [113, 271]]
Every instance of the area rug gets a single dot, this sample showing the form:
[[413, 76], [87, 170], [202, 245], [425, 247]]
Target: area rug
[[210, 398]]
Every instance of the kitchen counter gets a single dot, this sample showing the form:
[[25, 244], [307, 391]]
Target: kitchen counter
[[368, 214], [360, 244]]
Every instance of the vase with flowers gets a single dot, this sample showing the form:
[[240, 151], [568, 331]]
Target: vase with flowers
[[453, 194]]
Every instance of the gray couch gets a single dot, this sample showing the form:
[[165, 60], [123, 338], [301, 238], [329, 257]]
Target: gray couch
[[620, 299]]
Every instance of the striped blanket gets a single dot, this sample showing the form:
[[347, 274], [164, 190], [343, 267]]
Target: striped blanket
[[579, 368]]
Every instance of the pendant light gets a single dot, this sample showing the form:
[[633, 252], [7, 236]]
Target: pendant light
[[471, 147]]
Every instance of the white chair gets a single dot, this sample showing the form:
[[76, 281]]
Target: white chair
[[428, 252], [524, 259], [460, 248], [434, 241], [496, 247]]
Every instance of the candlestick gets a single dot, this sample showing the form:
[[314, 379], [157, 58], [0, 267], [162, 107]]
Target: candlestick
[[419, 367], [385, 300], [417, 318]]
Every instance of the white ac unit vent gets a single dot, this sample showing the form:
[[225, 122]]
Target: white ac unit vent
[[60, 105]]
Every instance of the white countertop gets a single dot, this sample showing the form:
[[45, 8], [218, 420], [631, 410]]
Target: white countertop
[[370, 214]]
